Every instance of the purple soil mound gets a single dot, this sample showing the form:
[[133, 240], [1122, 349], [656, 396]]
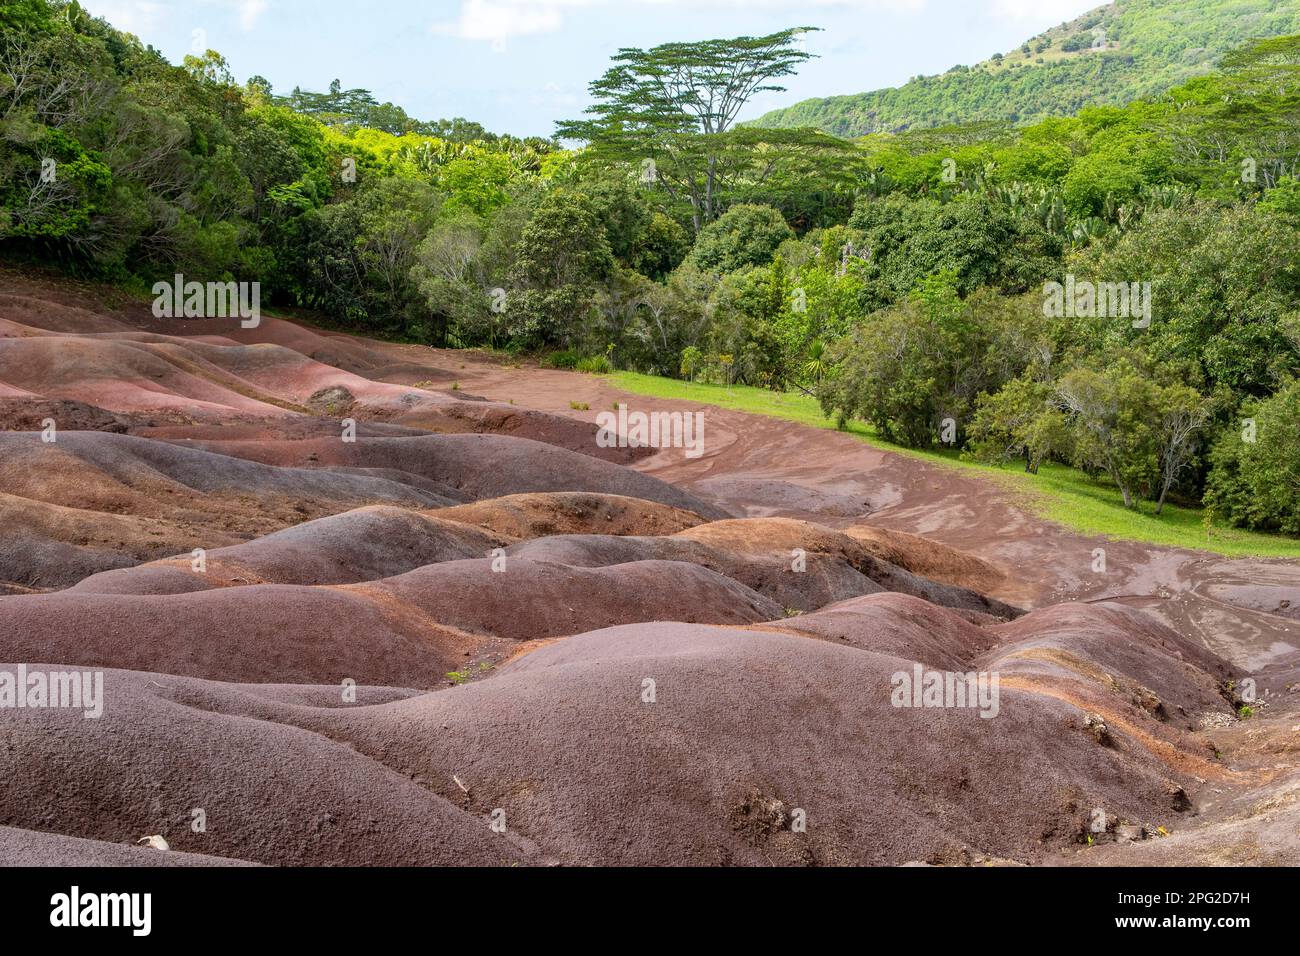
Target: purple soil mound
[[408, 630], [34, 848], [478, 466], [784, 537], [898, 625], [165, 747], [93, 501], [824, 580], [499, 419], [1117, 654], [33, 562], [362, 545], [634, 679], [745, 733], [116, 472], [534, 600], [268, 633]]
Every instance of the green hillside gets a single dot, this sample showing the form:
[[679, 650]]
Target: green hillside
[[1150, 46]]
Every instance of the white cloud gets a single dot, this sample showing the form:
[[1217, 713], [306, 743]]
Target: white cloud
[[249, 12], [146, 17], [497, 20], [131, 16]]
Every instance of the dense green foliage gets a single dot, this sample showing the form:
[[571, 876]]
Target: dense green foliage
[[1149, 47], [1169, 226], [1255, 481], [118, 163], [744, 235], [916, 281]]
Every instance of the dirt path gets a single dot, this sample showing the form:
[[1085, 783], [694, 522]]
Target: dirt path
[[756, 465]]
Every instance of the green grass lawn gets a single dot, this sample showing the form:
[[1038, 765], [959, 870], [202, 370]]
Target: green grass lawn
[[1057, 493]]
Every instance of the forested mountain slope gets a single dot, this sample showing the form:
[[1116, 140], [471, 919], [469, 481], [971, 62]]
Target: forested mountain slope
[[1111, 55]]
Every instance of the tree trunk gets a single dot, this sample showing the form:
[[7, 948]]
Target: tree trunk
[[708, 189], [1164, 490]]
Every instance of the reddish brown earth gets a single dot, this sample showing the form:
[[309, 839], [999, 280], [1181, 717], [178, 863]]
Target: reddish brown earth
[[471, 636]]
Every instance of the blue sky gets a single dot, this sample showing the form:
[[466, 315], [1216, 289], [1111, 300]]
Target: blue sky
[[517, 66]]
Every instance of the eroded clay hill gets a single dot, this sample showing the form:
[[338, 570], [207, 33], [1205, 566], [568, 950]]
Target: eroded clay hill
[[361, 602]]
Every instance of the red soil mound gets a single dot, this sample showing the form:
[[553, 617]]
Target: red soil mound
[[124, 376], [32, 415], [90, 502], [93, 501], [55, 313], [279, 369], [929, 559], [208, 378]]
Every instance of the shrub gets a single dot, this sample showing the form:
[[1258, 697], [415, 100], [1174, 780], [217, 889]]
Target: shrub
[[564, 359]]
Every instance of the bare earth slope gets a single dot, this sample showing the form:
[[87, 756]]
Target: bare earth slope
[[357, 616]]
